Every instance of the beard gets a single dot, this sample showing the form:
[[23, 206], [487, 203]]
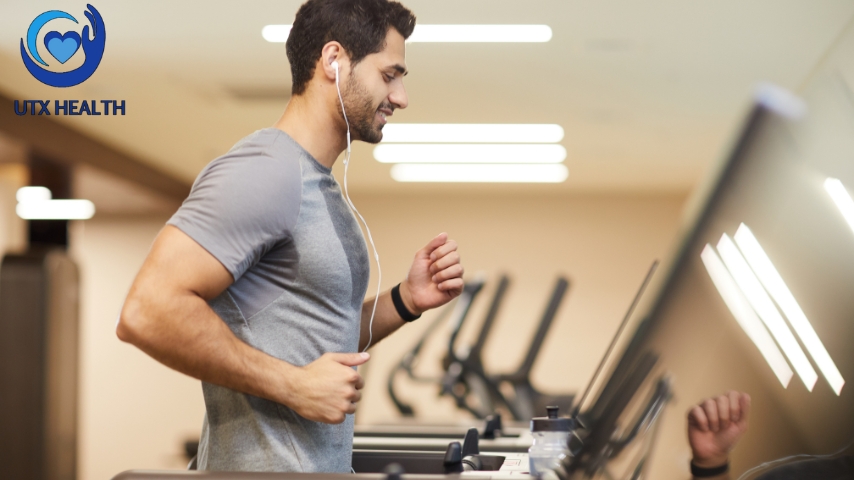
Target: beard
[[361, 112]]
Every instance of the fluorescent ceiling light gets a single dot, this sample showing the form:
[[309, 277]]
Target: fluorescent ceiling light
[[33, 194], [34, 203], [56, 210], [276, 33], [841, 198], [780, 100], [420, 153], [745, 316], [481, 33], [448, 33], [761, 302], [480, 173], [773, 282], [471, 133]]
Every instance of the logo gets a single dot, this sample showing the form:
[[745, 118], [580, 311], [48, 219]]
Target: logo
[[64, 46]]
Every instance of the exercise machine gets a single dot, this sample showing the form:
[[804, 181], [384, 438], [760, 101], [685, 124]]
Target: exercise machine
[[465, 373]]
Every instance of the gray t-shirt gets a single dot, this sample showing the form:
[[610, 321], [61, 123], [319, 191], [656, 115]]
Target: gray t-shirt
[[276, 219]]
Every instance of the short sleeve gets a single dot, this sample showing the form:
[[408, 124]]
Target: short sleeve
[[244, 203]]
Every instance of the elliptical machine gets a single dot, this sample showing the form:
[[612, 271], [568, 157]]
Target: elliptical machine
[[465, 376]]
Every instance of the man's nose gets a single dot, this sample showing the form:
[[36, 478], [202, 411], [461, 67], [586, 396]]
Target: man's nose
[[398, 97]]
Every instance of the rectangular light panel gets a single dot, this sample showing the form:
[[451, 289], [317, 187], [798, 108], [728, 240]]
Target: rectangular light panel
[[449, 33], [773, 282], [745, 316], [33, 194], [471, 133], [481, 33], [466, 153], [841, 198], [479, 173], [761, 302], [56, 210], [276, 33]]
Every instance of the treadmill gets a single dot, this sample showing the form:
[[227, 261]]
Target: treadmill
[[465, 370], [410, 434], [402, 448]]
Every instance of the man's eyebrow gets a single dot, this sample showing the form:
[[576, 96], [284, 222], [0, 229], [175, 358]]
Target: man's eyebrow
[[400, 69]]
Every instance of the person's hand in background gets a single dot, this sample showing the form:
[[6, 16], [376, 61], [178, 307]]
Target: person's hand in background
[[715, 426]]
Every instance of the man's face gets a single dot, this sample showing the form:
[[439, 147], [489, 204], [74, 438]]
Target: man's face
[[375, 89]]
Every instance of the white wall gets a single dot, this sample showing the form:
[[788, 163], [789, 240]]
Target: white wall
[[135, 413]]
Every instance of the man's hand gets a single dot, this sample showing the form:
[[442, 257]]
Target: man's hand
[[328, 388], [435, 278], [715, 426]]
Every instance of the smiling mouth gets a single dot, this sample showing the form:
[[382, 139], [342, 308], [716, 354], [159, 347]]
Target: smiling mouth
[[384, 113]]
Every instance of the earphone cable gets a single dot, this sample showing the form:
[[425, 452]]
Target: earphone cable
[[356, 211]]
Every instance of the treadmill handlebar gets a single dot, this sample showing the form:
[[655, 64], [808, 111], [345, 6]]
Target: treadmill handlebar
[[489, 321], [546, 321], [461, 311]]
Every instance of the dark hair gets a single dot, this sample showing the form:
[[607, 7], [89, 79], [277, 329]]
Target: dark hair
[[360, 26]]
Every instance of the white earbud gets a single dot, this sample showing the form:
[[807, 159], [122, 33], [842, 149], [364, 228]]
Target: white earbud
[[334, 65]]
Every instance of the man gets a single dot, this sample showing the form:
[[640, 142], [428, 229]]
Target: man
[[256, 286]]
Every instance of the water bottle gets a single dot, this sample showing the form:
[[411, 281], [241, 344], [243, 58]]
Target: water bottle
[[551, 435]]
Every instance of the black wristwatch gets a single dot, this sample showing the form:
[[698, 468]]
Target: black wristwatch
[[701, 472], [404, 312]]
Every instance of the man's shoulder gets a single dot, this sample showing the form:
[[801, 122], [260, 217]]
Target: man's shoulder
[[259, 180], [264, 139], [266, 157], [267, 144], [244, 201]]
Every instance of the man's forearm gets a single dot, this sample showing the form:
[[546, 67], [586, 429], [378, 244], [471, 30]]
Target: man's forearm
[[185, 334], [386, 320]]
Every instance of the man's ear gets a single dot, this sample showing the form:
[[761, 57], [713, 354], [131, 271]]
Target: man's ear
[[332, 52]]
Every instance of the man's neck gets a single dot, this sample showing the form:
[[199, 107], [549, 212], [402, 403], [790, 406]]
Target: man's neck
[[309, 121]]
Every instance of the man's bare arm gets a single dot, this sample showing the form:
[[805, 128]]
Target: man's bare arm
[[167, 316], [435, 278]]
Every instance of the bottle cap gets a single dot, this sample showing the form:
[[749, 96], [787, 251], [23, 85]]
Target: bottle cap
[[551, 423]]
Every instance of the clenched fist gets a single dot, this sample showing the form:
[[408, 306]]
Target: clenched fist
[[714, 427], [435, 278], [327, 389]]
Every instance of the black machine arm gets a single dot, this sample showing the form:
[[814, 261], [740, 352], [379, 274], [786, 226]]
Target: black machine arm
[[528, 402], [461, 308], [464, 373]]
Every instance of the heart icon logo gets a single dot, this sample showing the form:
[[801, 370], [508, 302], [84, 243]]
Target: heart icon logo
[[62, 46]]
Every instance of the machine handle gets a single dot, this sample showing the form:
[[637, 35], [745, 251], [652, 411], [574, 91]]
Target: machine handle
[[471, 445], [656, 404], [453, 461]]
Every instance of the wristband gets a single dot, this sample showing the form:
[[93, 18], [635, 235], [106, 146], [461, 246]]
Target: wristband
[[700, 472], [404, 313]]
